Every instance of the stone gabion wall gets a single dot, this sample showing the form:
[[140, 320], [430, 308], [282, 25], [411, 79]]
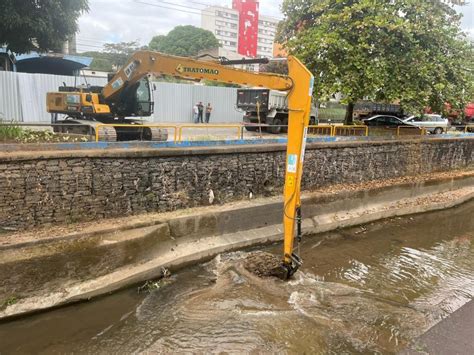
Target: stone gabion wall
[[41, 189]]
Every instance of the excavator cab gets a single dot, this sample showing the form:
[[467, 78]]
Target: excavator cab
[[144, 98], [136, 100]]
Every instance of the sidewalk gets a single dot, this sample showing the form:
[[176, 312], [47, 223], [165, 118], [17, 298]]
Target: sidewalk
[[453, 335]]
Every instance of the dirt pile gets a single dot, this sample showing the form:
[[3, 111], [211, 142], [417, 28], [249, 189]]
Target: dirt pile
[[264, 264]]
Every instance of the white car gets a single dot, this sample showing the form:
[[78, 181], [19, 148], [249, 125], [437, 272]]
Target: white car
[[435, 124]]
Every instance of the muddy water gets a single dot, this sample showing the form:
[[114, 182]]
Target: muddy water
[[362, 290]]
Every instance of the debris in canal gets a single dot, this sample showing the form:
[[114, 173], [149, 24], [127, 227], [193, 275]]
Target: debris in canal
[[8, 302], [264, 264], [155, 285]]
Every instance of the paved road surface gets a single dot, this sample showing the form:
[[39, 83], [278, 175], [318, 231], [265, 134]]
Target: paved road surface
[[453, 335]]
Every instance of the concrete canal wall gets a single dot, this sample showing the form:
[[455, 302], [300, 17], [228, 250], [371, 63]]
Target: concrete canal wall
[[80, 262], [41, 188]]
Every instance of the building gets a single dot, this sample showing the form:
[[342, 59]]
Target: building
[[224, 23], [267, 27], [279, 51], [241, 29]]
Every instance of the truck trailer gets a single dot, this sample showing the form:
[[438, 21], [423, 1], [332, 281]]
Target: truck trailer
[[266, 108]]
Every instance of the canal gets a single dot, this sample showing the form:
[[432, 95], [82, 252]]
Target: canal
[[366, 289]]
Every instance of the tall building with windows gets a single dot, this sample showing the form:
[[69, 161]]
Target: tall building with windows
[[267, 27], [224, 23], [241, 29]]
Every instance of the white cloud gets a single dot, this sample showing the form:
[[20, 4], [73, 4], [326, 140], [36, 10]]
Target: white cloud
[[130, 20], [467, 21]]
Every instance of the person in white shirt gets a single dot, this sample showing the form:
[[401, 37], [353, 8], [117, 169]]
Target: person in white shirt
[[196, 113]]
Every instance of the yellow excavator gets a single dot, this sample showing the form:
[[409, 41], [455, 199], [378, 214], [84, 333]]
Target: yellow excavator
[[128, 94]]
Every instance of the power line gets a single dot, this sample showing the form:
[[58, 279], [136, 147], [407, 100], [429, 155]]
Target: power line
[[187, 7], [190, 11], [168, 8], [209, 5], [82, 39], [88, 45]]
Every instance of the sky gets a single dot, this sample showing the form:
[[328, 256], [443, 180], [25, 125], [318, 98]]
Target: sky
[[140, 20]]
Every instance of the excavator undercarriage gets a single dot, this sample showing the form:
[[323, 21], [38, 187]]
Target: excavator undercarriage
[[108, 133]]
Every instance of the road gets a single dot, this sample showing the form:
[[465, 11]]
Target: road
[[453, 335]]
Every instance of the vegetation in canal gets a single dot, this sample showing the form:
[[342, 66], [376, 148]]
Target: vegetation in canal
[[8, 302], [151, 285]]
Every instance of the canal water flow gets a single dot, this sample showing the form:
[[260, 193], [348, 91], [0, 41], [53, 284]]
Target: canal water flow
[[367, 289]]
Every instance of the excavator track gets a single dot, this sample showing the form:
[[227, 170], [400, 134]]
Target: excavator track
[[158, 134], [107, 134]]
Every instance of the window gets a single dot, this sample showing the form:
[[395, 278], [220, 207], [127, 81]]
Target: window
[[226, 14], [226, 24], [265, 41], [143, 97], [226, 33], [228, 43], [264, 49]]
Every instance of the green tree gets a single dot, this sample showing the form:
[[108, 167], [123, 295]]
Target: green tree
[[401, 50], [113, 56], [119, 53], [39, 25], [101, 61], [184, 41]]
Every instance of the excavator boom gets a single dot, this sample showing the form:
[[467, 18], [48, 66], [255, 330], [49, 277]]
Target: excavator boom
[[298, 84], [143, 63]]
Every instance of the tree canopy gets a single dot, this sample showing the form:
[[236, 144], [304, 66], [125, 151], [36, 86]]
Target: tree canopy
[[401, 50], [39, 25], [113, 56], [184, 41]]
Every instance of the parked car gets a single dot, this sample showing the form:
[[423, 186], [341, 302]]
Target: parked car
[[386, 121], [435, 124]]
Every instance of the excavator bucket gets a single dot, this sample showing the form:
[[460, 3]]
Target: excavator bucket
[[265, 264]]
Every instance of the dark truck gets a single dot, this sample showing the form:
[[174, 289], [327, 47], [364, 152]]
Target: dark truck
[[367, 109], [266, 107]]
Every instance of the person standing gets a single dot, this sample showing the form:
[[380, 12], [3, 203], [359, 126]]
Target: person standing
[[200, 112], [208, 112], [196, 113]]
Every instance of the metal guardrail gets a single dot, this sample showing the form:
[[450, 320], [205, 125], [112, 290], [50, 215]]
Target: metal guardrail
[[239, 128], [321, 130], [469, 128], [360, 131], [420, 130]]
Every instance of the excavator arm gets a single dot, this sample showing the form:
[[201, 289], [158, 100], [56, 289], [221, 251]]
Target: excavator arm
[[143, 63], [299, 84]]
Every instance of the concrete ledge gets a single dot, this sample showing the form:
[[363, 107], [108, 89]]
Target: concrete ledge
[[130, 150], [47, 274]]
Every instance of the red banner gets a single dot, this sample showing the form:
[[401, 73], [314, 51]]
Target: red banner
[[248, 26]]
